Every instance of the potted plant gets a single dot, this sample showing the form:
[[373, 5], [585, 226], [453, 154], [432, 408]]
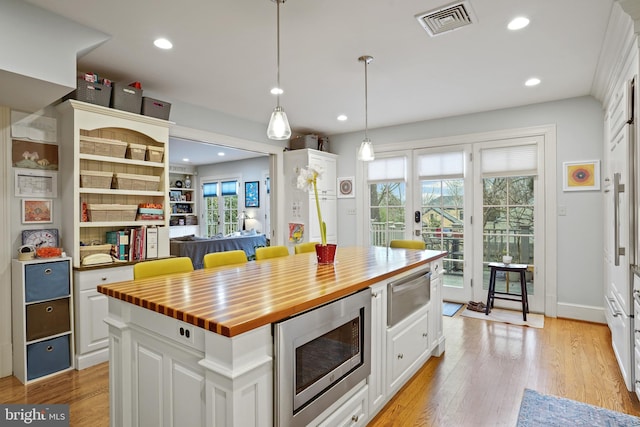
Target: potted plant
[[307, 179]]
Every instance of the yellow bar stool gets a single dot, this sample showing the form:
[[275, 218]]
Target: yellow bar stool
[[160, 267], [408, 244], [216, 259], [302, 248], [271, 252]]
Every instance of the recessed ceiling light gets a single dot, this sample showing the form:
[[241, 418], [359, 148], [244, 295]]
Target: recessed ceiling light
[[534, 81], [163, 44], [342, 117], [518, 23], [185, 159], [220, 154], [277, 91]]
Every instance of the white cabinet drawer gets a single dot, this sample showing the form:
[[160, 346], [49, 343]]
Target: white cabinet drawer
[[90, 279], [352, 413]]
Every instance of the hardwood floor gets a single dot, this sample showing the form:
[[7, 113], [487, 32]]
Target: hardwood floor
[[478, 382]]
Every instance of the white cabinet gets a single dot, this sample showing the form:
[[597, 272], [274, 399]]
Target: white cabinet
[[91, 308], [300, 205], [376, 381], [407, 347], [42, 317], [171, 381], [105, 185]]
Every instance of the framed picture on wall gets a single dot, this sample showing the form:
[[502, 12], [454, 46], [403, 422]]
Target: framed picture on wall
[[252, 194], [37, 211], [346, 187], [581, 176]]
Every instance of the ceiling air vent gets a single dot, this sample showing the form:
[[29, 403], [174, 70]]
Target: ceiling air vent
[[446, 18]]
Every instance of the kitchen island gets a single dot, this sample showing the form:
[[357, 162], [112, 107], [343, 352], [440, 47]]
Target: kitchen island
[[197, 348]]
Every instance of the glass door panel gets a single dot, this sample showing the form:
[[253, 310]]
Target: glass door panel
[[443, 224]]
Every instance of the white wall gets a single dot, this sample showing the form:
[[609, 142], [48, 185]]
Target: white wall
[[579, 124]]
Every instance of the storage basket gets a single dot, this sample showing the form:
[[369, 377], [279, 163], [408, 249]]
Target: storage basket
[[93, 93], [107, 213], [155, 108], [94, 249], [154, 154], [126, 98], [95, 179], [136, 151], [102, 146], [126, 181]]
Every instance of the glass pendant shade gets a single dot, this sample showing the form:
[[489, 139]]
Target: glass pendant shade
[[365, 153], [279, 128]]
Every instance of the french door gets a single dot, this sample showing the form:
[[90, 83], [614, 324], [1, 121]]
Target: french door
[[219, 206], [476, 201]]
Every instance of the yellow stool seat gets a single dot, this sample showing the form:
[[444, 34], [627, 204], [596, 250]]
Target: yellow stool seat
[[160, 267], [271, 252], [302, 248], [408, 244], [216, 259]]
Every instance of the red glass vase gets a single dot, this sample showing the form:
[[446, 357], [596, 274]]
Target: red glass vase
[[326, 253]]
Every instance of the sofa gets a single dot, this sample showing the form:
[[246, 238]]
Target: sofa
[[197, 247]]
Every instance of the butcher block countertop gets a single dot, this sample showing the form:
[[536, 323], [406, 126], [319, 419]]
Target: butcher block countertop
[[231, 300]]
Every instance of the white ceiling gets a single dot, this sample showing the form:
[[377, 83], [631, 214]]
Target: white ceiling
[[224, 56]]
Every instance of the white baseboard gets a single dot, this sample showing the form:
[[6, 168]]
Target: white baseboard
[[90, 359], [581, 312], [6, 360]]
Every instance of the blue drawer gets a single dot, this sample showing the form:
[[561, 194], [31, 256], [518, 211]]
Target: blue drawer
[[46, 280], [47, 357]]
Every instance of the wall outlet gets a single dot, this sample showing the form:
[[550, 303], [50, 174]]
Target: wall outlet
[[185, 332]]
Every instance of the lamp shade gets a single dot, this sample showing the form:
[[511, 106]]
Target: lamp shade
[[279, 128], [365, 152]]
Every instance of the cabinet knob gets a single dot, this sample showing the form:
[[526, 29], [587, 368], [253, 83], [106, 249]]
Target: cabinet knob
[[49, 309], [49, 348], [355, 418], [104, 279], [47, 271], [424, 335], [400, 356]]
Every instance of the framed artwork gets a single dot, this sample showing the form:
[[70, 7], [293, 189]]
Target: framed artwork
[[36, 183], [581, 176], [175, 196], [37, 211], [34, 155], [346, 187], [252, 194]]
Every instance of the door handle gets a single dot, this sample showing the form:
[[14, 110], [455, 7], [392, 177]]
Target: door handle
[[617, 189]]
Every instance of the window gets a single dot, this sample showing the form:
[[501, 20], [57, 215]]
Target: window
[[387, 199]]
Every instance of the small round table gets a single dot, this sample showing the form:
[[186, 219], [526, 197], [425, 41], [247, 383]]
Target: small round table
[[493, 295]]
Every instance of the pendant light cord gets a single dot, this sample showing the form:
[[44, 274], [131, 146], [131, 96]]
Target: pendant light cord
[[278, 50], [366, 101]]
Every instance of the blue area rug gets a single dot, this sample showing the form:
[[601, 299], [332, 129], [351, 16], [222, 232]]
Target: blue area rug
[[450, 308], [539, 410]]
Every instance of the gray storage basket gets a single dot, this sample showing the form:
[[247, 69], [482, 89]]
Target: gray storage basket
[[126, 98], [94, 93], [155, 108]]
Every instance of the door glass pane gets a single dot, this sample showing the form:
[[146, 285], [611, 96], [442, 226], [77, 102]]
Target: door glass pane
[[443, 224], [230, 214], [387, 206], [211, 216], [507, 228]]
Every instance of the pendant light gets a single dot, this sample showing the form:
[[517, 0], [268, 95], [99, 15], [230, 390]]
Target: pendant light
[[365, 153], [279, 124]]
